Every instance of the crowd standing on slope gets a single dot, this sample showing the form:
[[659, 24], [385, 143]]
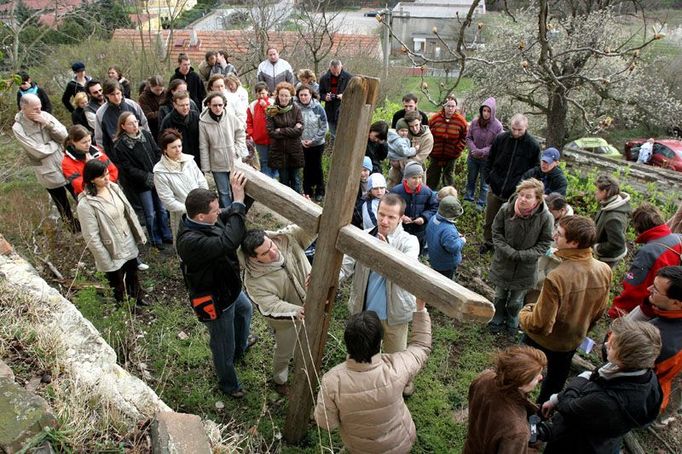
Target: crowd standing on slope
[[131, 164]]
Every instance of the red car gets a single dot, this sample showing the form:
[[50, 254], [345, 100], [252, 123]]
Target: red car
[[667, 153]]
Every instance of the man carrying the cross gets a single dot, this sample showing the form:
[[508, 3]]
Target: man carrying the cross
[[373, 292]]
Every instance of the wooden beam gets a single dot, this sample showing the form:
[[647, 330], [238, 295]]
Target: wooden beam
[[357, 106], [444, 294], [281, 198]]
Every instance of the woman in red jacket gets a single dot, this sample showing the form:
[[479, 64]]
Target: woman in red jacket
[[256, 127], [78, 150]]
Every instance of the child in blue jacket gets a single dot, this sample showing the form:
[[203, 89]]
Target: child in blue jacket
[[444, 241]]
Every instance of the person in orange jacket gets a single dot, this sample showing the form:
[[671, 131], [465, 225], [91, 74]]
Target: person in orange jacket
[[78, 150]]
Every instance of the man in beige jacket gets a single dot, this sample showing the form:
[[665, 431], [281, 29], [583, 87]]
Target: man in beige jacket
[[363, 395], [276, 272]]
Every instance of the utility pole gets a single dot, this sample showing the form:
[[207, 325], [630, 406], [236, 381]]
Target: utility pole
[[387, 20]]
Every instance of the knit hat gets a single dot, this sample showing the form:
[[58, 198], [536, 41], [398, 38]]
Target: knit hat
[[401, 124], [367, 163], [78, 66], [376, 180], [550, 155], [450, 208], [412, 169]]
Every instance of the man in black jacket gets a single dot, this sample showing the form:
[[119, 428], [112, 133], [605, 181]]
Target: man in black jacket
[[186, 121], [195, 85], [332, 85], [511, 155], [549, 173], [207, 243]]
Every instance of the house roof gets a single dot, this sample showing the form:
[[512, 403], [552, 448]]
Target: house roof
[[432, 9], [236, 42]]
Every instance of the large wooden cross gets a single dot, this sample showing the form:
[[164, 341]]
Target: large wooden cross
[[336, 238]]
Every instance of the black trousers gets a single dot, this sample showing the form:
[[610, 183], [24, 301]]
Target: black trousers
[[558, 369], [125, 281], [61, 200], [312, 171]]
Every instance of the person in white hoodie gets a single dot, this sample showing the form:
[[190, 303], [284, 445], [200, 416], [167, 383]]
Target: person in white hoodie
[[175, 175], [274, 70]]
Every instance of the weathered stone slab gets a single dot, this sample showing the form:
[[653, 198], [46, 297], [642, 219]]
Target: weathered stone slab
[[5, 371], [179, 433], [22, 416]]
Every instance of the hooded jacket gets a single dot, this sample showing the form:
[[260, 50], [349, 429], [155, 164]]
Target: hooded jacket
[[279, 290], [364, 400], [256, 122], [661, 248], [174, 182], [400, 303], [314, 122], [137, 159], [195, 85], [574, 296], [45, 104], [424, 139], [74, 164], [669, 362], [498, 418], [73, 87], [286, 150], [189, 128], [479, 139], [519, 242], [399, 148], [42, 145], [593, 414], [274, 73], [422, 202], [449, 136], [445, 244], [101, 233], [220, 142], [508, 160], [612, 222], [150, 103]]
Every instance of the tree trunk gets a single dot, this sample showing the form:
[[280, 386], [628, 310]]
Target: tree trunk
[[557, 114]]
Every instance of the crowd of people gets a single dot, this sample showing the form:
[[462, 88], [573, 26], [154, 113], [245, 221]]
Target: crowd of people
[[130, 164]]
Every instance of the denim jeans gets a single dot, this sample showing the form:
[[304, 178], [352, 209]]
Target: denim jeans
[[222, 182], [476, 168], [263, 155], [291, 176], [229, 335], [508, 304], [156, 217]]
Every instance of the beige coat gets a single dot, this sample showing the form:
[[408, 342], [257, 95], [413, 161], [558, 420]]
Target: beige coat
[[107, 242], [220, 143], [279, 291], [425, 142], [366, 400], [43, 146]]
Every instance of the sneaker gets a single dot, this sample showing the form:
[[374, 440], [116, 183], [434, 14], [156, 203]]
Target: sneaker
[[141, 266], [252, 339]]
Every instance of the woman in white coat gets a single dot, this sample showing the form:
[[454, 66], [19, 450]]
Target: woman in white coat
[[175, 175]]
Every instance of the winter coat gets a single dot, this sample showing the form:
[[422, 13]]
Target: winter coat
[[332, 107], [421, 203], [400, 303], [594, 414], [661, 248], [167, 107], [34, 89], [554, 181], [612, 222], [195, 85], [90, 112], [150, 104], [364, 400], [274, 73], [498, 418], [78, 117], [137, 160], [479, 140], [519, 242], [221, 143], [173, 183], [669, 362], [72, 88], [256, 123], [399, 148], [445, 244], [425, 141], [314, 122], [189, 128], [449, 136], [106, 127], [43, 147], [239, 102], [574, 296], [106, 241], [279, 290], [73, 166], [508, 160], [209, 255], [286, 150], [377, 152]]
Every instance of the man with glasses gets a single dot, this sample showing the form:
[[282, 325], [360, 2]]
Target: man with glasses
[[449, 130], [574, 296], [222, 140], [95, 100], [186, 122]]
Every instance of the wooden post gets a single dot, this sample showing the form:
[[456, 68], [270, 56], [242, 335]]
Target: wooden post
[[349, 149]]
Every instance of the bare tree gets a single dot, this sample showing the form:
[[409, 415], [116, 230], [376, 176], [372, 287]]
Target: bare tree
[[317, 24]]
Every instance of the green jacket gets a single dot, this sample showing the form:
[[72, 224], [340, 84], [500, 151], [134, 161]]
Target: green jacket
[[612, 221]]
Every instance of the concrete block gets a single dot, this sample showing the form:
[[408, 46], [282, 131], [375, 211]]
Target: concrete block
[[179, 433], [5, 371], [22, 416]]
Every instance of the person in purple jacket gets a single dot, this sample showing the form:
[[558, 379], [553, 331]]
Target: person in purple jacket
[[480, 135]]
